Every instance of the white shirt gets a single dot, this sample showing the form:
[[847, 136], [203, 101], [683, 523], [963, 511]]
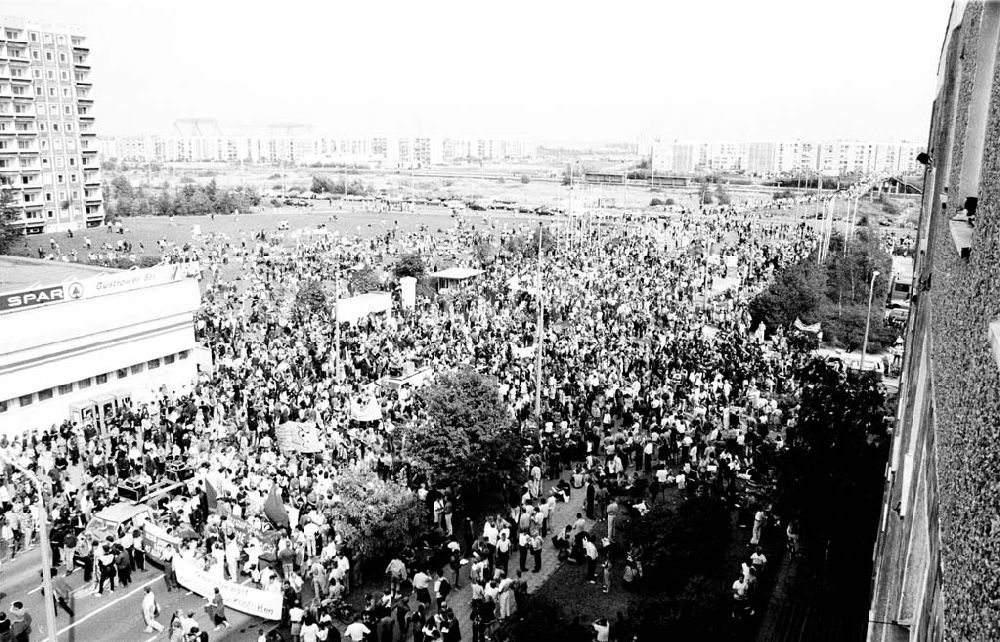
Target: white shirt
[[357, 631]]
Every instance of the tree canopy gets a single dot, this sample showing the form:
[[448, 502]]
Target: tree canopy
[[409, 265], [468, 441], [8, 229]]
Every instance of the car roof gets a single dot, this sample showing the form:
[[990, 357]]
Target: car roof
[[122, 511]]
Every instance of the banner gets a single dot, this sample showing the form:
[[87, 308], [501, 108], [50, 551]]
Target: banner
[[522, 353], [263, 604], [294, 436], [801, 327], [371, 411]]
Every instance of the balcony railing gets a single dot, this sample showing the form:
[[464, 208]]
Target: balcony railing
[[92, 178]]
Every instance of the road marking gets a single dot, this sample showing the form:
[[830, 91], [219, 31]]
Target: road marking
[[105, 607], [34, 590], [153, 638]]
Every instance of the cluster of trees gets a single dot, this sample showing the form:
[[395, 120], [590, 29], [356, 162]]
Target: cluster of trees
[[834, 293], [525, 246], [9, 233], [469, 444], [122, 199], [657, 202], [708, 196], [327, 185]]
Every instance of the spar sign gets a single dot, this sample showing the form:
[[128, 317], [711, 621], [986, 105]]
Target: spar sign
[[26, 298], [263, 604]]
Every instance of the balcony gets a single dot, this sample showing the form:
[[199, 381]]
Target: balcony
[[92, 177], [18, 55], [80, 44], [30, 165], [80, 62], [92, 195], [9, 169], [95, 212], [85, 113], [17, 37], [28, 149]]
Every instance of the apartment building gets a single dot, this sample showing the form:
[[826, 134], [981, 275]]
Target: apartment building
[[938, 543], [49, 157], [384, 151], [827, 157]]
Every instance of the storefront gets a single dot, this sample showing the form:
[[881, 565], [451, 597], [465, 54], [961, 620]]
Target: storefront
[[80, 348]]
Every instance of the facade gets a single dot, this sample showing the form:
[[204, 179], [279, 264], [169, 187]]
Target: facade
[[131, 332], [938, 547], [49, 157]]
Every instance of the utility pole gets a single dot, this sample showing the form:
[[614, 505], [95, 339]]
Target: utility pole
[[336, 325], [541, 337], [43, 543]]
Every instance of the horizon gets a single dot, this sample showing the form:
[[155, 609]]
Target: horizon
[[520, 71]]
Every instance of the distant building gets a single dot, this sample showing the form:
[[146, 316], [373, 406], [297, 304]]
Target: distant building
[[938, 547], [49, 157]]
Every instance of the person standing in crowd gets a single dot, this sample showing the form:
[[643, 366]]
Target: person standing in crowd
[[537, 543], [218, 610], [590, 552]]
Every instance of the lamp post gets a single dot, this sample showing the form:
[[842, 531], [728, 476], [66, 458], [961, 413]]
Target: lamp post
[[868, 320], [43, 543]]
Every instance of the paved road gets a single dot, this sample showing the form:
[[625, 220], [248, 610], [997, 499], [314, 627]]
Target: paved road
[[111, 617]]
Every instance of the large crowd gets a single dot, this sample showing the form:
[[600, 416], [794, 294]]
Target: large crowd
[[653, 377]]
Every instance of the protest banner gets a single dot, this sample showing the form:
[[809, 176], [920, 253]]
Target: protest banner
[[300, 437], [263, 604]]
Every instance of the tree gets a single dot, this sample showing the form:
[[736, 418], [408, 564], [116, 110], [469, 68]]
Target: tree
[[721, 195], [9, 230], [484, 250], [409, 265], [795, 292], [524, 179], [364, 280], [323, 184], [311, 301], [830, 474], [655, 202], [468, 441], [374, 517]]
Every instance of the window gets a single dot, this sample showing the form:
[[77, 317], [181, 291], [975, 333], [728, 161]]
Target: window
[[48, 197], [62, 57], [102, 378], [122, 373], [65, 92], [76, 195], [83, 383], [153, 364], [137, 368], [48, 56], [37, 55], [69, 127], [49, 213], [3, 406], [184, 354], [64, 75], [68, 110], [51, 75], [72, 177], [44, 143], [34, 36], [62, 40], [65, 389], [43, 127], [167, 360], [60, 178], [44, 395], [38, 73], [48, 38], [55, 126], [52, 91], [38, 91], [26, 400]]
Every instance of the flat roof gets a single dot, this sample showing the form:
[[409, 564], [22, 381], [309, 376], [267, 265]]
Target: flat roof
[[457, 273], [22, 273]]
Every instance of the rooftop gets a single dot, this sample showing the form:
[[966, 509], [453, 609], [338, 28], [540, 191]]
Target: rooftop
[[456, 273], [22, 273]]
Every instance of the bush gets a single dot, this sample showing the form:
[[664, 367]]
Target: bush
[[783, 194], [655, 202], [524, 179], [669, 201]]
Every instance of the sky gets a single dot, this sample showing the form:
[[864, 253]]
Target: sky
[[555, 71]]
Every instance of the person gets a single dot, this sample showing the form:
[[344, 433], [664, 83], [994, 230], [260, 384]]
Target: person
[[602, 630], [421, 584], [150, 609], [758, 526], [20, 622], [503, 552], [606, 584], [356, 630], [61, 593], [536, 550], [792, 533], [590, 552], [219, 610], [396, 572], [106, 569]]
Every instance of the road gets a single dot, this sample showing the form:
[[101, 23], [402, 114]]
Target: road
[[112, 617]]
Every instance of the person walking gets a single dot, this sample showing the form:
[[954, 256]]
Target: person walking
[[219, 610], [150, 609]]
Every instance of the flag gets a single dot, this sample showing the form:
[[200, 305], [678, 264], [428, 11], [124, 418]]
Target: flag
[[213, 496], [812, 329], [274, 507], [522, 353]]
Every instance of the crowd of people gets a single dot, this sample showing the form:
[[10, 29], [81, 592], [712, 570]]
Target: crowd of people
[[652, 377]]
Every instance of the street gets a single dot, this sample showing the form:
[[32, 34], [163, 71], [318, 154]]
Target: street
[[112, 617]]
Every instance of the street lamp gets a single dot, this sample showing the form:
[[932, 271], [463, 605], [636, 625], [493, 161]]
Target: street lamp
[[868, 320]]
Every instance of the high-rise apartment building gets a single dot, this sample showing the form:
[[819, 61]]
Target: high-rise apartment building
[[49, 161], [938, 547]]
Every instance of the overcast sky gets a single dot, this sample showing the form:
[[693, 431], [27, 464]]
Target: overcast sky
[[578, 70]]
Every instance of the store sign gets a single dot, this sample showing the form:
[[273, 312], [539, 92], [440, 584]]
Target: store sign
[[263, 604], [18, 300]]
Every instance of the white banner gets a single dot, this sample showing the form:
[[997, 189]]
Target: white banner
[[264, 604]]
